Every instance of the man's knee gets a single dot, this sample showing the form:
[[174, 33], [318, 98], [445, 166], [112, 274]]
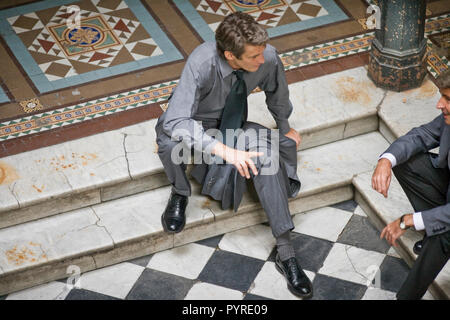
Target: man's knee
[[414, 164]]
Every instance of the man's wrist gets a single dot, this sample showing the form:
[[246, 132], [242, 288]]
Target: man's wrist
[[408, 220]]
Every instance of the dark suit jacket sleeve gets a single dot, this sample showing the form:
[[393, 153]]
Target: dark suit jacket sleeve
[[423, 139], [276, 89], [420, 139], [179, 123], [437, 220]]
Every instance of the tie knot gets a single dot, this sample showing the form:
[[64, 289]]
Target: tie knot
[[239, 74]]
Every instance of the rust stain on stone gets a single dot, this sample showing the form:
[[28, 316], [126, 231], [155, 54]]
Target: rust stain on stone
[[19, 256], [206, 204], [38, 189], [74, 161], [349, 90], [427, 90], [7, 173]]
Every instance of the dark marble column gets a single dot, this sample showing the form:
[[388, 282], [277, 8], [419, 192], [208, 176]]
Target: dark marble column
[[397, 60]]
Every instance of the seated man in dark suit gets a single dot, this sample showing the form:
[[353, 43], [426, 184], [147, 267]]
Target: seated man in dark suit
[[424, 176], [212, 94]]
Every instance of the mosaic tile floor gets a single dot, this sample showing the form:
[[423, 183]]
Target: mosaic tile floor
[[337, 246], [128, 54]]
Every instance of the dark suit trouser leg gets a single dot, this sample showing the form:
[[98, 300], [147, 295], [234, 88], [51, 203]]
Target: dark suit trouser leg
[[429, 263], [273, 189], [176, 173], [426, 187]]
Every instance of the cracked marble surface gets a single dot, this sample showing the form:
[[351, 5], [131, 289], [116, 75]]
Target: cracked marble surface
[[55, 171], [45, 240], [352, 264]]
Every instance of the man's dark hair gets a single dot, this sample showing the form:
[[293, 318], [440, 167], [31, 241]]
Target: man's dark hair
[[443, 81], [237, 30]]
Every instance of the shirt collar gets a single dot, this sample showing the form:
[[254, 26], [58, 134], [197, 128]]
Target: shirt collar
[[225, 68]]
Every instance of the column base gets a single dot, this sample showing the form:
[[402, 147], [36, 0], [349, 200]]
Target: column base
[[397, 73]]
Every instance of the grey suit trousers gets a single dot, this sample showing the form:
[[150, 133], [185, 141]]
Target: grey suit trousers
[[426, 187], [272, 190]]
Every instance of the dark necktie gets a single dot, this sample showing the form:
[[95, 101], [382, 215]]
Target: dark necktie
[[235, 110]]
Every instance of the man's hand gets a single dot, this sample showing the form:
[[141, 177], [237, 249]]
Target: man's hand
[[392, 231], [294, 135], [381, 178], [240, 159]]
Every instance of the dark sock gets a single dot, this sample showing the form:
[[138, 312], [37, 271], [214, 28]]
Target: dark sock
[[285, 247]]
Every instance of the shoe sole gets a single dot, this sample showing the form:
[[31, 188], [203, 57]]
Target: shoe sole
[[291, 289]]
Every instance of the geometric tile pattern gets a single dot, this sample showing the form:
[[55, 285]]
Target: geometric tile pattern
[[279, 17], [108, 34], [327, 51], [86, 111], [352, 267], [433, 29], [63, 43], [160, 92]]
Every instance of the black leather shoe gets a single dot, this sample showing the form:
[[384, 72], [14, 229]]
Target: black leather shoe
[[173, 219], [297, 281], [418, 247]]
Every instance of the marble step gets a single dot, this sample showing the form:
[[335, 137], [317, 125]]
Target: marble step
[[111, 165], [382, 211], [103, 234], [401, 111]]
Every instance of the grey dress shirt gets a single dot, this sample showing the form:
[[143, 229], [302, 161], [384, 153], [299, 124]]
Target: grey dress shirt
[[204, 85]]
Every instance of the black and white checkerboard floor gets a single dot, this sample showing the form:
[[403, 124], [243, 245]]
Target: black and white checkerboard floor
[[337, 246]]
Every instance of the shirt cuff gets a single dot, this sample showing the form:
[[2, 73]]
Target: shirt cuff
[[418, 221], [390, 157]]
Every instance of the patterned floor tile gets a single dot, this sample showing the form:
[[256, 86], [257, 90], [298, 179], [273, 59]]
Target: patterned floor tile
[[231, 270], [393, 253], [57, 50], [360, 233], [142, 261], [256, 242], [81, 294], [280, 17], [211, 242], [207, 291], [331, 221], [378, 294], [310, 252], [156, 285], [360, 212], [393, 273], [186, 261], [250, 296], [349, 205], [106, 281], [352, 264], [329, 288]]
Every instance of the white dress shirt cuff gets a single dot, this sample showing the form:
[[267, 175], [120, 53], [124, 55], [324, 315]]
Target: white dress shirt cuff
[[418, 221], [390, 157]]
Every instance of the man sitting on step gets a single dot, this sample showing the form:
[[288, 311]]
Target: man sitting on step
[[424, 176], [212, 94]]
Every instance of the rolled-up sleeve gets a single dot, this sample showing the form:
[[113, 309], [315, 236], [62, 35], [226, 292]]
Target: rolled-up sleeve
[[277, 96], [179, 123]]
